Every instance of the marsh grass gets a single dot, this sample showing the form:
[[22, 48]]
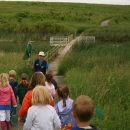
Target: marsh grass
[[14, 61], [101, 71], [11, 55]]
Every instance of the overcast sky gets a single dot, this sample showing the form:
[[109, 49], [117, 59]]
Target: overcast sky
[[118, 2]]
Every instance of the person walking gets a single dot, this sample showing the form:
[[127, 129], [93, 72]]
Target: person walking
[[49, 85], [12, 81], [7, 98], [53, 80], [64, 108], [40, 64], [22, 87], [83, 109], [41, 115]]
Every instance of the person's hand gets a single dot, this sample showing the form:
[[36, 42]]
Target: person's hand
[[20, 119], [28, 64]]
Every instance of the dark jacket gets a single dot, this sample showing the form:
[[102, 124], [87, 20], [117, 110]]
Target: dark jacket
[[77, 128], [55, 84], [38, 67], [13, 83]]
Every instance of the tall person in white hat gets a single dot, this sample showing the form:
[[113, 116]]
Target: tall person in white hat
[[40, 64]]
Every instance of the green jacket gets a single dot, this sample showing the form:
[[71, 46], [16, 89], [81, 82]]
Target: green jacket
[[21, 91]]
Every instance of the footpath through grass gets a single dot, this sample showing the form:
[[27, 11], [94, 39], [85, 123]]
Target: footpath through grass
[[102, 71]]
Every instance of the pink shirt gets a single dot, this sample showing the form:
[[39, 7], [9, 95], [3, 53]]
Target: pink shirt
[[7, 96], [51, 88]]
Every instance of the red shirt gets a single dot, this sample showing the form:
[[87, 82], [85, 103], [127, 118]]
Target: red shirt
[[27, 103]]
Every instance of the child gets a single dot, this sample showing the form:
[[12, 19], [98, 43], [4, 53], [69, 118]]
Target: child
[[49, 84], [22, 88], [64, 108], [53, 80], [6, 98], [36, 79], [83, 109], [41, 116], [12, 81]]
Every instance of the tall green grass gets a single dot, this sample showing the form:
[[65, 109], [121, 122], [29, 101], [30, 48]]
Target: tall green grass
[[11, 55], [102, 72], [110, 33]]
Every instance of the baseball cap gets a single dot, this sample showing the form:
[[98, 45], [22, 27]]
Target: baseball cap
[[41, 53]]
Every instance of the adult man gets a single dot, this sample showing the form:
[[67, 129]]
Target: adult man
[[39, 64]]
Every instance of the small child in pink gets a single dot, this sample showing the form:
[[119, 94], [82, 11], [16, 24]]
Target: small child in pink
[[6, 98], [49, 84]]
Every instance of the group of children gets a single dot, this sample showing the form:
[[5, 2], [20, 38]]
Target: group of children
[[37, 103]]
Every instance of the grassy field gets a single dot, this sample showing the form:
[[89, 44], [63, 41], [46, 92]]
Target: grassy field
[[11, 55], [34, 20], [101, 71]]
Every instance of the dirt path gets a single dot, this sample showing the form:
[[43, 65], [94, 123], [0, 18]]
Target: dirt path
[[105, 23]]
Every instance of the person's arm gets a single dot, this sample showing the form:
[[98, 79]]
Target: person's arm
[[31, 66], [13, 100], [25, 105], [29, 120]]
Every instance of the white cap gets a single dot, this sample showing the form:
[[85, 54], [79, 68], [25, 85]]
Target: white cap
[[41, 53]]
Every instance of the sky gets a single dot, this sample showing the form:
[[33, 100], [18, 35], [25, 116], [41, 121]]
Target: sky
[[117, 2]]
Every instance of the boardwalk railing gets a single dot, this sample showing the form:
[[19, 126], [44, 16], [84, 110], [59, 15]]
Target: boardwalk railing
[[57, 39], [53, 53]]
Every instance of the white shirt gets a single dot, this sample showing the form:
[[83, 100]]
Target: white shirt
[[42, 117]]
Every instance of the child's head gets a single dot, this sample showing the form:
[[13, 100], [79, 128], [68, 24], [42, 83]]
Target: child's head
[[37, 78], [49, 77], [83, 108], [40, 95], [49, 72], [4, 80], [24, 76], [12, 73], [63, 92]]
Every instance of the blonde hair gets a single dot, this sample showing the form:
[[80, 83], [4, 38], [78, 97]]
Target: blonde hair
[[83, 107], [4, 80], [12, 73], [40, 95]]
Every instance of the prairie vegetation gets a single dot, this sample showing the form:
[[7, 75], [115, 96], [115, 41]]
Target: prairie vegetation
[[100, 70], [21, 21]]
